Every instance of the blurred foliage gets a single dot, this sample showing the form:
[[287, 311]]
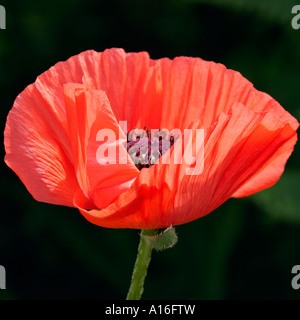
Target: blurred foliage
[[278, 11], [282, 202], [246, 248]]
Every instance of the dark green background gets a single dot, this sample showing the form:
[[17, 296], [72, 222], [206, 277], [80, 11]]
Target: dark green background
[[246, 248]]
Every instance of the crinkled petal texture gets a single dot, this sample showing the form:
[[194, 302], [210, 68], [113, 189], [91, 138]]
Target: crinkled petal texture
[[52, 138]]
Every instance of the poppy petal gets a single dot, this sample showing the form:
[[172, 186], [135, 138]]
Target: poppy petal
[[88, 112], [36, 146], [192, 88], [160, 93], [240, 144], [236, 146]]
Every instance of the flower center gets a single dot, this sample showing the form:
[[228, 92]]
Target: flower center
[[145, 147]]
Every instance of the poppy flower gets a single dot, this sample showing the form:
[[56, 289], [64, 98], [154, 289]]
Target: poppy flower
[[52, 137]]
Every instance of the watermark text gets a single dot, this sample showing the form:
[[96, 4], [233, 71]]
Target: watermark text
[[296, 19], [296, 279], [155, 146], [2, 17], [2, 278]]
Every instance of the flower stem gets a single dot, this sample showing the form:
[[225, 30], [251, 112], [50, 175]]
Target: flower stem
[[140, 268]]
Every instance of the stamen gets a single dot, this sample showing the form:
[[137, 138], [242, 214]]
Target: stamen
[[145, 148]]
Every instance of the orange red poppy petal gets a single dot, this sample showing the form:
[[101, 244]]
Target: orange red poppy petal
[[236, 147], [37, 148]]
